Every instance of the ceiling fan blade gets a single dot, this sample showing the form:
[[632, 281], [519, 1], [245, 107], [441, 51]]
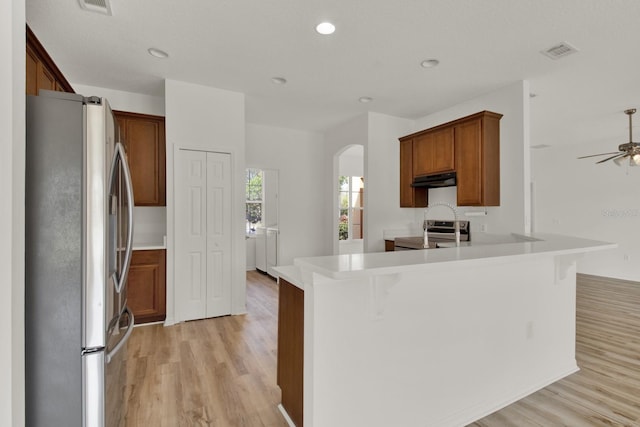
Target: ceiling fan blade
[[612, 157], [596, 155]]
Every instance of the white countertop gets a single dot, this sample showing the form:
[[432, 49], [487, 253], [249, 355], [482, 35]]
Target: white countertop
[[149, 241], [489, 249]]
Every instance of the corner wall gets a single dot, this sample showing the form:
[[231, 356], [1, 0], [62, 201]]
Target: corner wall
[[600, 202], [125, 101], [382, 179], [352, 132], [297, 155], [12, 174], [205, 118]]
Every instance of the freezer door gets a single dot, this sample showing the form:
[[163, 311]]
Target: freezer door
[[93, 390], [104, 378], [115, 371]]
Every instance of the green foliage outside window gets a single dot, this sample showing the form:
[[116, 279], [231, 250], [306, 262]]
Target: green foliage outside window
[[253, 211]]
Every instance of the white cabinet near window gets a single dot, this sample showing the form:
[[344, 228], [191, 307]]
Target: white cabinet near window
[[267, 250], [272, 250], [261, 249]]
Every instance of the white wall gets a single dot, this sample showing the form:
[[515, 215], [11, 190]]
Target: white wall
[[513, 214], [205, 118], [351, 162], [600, 202], [382, 179], [297, 155], [352, 132], [125, 101], [12, 170]]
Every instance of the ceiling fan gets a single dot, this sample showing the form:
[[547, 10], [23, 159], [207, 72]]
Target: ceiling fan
[[630, 149]]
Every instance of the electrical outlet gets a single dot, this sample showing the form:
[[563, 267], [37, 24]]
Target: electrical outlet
[[483, 228], [626, 257]]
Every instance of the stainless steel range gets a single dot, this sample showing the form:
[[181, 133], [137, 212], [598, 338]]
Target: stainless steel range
[[441, 233]]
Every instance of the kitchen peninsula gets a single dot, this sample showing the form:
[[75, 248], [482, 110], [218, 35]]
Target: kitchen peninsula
[[437, 337]]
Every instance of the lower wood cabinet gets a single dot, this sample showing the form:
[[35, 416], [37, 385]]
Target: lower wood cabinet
[[146, 286], [389, 245], [291, 349]]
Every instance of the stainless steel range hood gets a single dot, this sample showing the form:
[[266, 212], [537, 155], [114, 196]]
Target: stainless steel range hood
[[447, 179]]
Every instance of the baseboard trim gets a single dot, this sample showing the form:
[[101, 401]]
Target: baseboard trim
[[286, 416]]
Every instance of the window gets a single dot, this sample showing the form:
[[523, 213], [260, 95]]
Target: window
[[351, 195], [254, 195]]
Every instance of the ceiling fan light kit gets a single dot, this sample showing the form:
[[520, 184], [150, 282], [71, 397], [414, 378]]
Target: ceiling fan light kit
[[630, 149]]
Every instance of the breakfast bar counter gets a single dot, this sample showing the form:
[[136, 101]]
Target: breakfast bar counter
[[438, 337]]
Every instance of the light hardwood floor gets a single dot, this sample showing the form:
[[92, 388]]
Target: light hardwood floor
[[222, 372], [217, 372]]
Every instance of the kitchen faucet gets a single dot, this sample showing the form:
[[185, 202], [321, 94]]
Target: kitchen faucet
[[456, 224]]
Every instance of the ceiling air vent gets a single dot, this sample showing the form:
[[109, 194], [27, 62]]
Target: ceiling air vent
[[559, 51], [99, 6]]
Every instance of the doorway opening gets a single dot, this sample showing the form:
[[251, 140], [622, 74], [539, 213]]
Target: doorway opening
[[350, 200]]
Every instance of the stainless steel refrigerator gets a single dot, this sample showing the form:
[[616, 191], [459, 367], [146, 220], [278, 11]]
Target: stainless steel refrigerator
[[79, 229]]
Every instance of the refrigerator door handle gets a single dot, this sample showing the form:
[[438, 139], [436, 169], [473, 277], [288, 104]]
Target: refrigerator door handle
[[120, 152], [125, 338]]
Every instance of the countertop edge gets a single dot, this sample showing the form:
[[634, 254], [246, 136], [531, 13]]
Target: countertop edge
[[342, 267]]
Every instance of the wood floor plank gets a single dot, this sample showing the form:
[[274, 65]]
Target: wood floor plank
[[217, 372]]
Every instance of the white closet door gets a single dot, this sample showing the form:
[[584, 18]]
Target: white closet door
[[218, 234], [202, 234]]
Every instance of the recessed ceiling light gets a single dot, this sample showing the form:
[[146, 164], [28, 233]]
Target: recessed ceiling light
[[278, 80], [325, 28], [157, 53], [429, 63], [365, 99]]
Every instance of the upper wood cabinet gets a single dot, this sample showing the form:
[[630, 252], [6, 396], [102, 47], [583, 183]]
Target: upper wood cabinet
[[478, 160], [144, 138], [470, 146], [409, 196], [433, 152], [41, 71]]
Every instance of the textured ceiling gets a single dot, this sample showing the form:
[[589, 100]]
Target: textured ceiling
[[376, 51]]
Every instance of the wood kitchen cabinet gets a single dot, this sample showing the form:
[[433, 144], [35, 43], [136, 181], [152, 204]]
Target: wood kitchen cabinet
[[389, 245], [477, 146], [470, 146], [409, 196], [146, 286], [291, 349], [41, 71], [433, 152], [144, 139]]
